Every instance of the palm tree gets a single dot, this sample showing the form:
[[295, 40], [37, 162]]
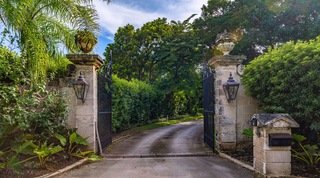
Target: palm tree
[[46, 28]]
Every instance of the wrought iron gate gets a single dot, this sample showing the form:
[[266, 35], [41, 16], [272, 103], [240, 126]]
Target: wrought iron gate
[[208, 105], [105, 106]]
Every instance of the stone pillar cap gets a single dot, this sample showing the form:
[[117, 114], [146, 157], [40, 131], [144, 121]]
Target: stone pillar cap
[[275, 120], [86, 59], [225, 60]]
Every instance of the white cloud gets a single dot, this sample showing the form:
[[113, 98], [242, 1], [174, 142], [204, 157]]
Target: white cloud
[[112, 16], [115, 15], [119, 13], [183, 9]]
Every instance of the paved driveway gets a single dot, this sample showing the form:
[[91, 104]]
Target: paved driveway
[[172, 151]]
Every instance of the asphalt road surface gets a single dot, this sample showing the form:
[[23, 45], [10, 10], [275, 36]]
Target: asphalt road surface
[[173, 151]]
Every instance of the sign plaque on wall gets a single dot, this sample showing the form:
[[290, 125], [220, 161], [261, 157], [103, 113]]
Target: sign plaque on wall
[[240, 69]]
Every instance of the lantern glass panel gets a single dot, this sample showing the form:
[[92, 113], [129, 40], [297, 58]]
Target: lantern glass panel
[[81, 88], [230, 88], [233, 92]]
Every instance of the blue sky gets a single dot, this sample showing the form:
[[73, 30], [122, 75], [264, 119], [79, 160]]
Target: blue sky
[[119, 13]]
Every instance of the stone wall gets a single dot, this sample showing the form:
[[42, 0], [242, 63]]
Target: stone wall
[[64, 86]]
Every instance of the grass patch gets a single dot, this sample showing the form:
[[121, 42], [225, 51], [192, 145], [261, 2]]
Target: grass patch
[[161, 123]]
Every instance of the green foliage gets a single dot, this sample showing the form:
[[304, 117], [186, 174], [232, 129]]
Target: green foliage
[[139, 60], [180, 103], [45, 151], [12, 68], [25, 112], [133, 103], [42, 30], [165, 55], [39, 114], [10, 154], [248, 132], [36, 111], [310, 154], [57, 67], [72, 146], [265, 23], [286, 80]]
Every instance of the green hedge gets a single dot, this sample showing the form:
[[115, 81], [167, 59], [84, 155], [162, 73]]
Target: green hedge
[[286, 80], [133, 103]]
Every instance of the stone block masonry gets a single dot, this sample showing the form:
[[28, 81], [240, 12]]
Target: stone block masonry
[[231, 117], [272, 160]]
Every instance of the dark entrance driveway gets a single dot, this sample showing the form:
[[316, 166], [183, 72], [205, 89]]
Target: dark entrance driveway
[[173, 151]]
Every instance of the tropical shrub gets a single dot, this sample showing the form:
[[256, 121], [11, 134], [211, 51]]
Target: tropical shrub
[[42, 36], [35, 110], [10, 159], [45, 151], [310, 154], [286, 80], [26, 114], [72, 144], [39, 114]]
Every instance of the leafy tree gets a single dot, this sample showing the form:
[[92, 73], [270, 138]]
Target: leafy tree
[[122, 52], [43, 29], [149, 38], [286, 80], [134, 50], [165, 55], [264, 22], [179, 58]]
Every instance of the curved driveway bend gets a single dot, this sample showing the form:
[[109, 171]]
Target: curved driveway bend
[[173, 151]]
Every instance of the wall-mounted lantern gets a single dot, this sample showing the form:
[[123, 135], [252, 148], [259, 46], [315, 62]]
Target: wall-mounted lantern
[[230, 88], [81, 87]]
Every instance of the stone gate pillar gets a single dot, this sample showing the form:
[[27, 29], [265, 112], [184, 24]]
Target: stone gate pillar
[[234, 116], [226, 112], [86, 112]]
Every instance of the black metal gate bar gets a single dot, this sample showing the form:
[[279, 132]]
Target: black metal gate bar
[[208, 105], [105, 106]]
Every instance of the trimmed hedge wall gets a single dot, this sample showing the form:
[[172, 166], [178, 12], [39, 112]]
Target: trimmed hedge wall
[[286, 80], [133, 103]]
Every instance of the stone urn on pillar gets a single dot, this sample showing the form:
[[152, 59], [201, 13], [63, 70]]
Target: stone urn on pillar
[[225, 42], [85, 40]]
